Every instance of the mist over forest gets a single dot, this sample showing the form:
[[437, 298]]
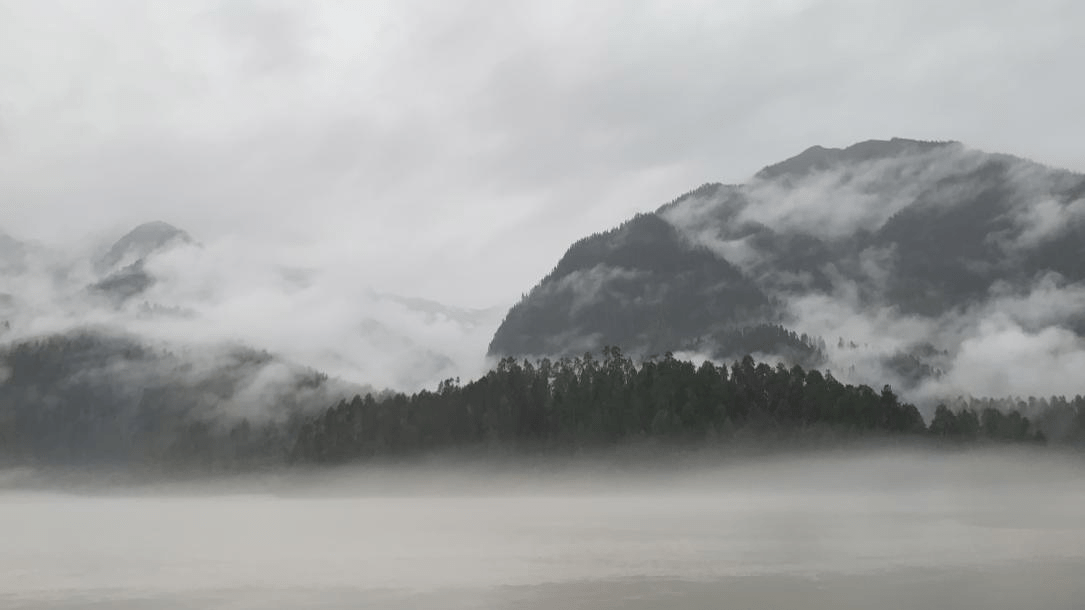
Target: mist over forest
[[482, 305], [905, 288]]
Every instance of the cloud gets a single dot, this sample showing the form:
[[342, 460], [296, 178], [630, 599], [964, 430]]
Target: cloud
[[1004, 359], [453, 151], [1048, 301], [589, 286], [452, 134], [209, 294], [834, 202], [1045, 218], [1018, 338], [1014, 343]]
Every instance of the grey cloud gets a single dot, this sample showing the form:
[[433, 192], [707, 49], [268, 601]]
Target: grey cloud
[[1011, 344], [1024, 327], [206, 294], [1004, 359], [392, 115], [837, 203], [1046, 218], [454, 150], [589, 286]]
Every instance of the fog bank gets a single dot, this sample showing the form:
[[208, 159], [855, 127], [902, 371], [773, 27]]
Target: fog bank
[[906, 527]]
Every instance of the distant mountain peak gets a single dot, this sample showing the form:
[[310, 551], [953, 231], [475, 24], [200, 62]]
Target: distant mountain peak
[[819, 158], [142, 241]]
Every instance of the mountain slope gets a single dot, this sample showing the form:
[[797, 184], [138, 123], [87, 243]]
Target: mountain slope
[[101, 397], [856, 243], [123, 269], [141, 242], [157, 283], [641, 283]]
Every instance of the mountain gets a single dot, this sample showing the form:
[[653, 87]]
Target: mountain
[[97, 397], [640, 285], [122, 268], [140, 357], [141, 242], [156, 284], [833, 240]]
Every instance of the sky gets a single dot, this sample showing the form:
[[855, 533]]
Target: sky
[[454, 150]]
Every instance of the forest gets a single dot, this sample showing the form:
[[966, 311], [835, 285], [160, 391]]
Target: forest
[[140, 408], [597, 401]]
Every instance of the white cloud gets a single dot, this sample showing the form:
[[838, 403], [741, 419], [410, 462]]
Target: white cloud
[[454, 150], [1004, 359]]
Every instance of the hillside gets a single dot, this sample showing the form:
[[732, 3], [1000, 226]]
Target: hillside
[[95, 398], [896, 248]]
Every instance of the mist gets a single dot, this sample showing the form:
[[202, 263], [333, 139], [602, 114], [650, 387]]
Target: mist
[[322, 150], [629, 528], [1020, 338], [210, 294], [411, 140], [232, 231]]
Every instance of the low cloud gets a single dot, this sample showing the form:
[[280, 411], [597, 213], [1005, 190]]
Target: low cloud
[[221, 292], [1004, 359], [860, 196], [589, 286], [1021, 337], [1012, 344]]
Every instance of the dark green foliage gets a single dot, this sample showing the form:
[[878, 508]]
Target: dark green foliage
[[990, 424], [95, 399], [1055, 419], [592, 401], [806, 351], [92, 398]]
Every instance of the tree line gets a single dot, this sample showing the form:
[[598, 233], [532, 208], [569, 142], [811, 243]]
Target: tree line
[[110, 401], [589, 400]]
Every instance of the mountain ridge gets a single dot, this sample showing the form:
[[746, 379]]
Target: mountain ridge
[[896, 232]]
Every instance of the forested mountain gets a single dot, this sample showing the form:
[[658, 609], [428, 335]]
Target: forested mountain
[[100, 401], [156, 281], [891, 246], [99, 398], [935, 272], [642, 285]]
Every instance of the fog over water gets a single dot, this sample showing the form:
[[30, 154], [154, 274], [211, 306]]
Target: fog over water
[[848, 529], [367, 187]]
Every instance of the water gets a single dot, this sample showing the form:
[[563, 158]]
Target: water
[[858, 530]]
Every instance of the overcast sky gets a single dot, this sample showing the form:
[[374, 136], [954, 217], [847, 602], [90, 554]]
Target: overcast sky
[[453, 150]]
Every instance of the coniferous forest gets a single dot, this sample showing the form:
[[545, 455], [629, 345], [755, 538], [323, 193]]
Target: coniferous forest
[[596, 401], [586, 402]]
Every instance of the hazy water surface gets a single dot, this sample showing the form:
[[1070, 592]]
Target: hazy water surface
[[857, 530]]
